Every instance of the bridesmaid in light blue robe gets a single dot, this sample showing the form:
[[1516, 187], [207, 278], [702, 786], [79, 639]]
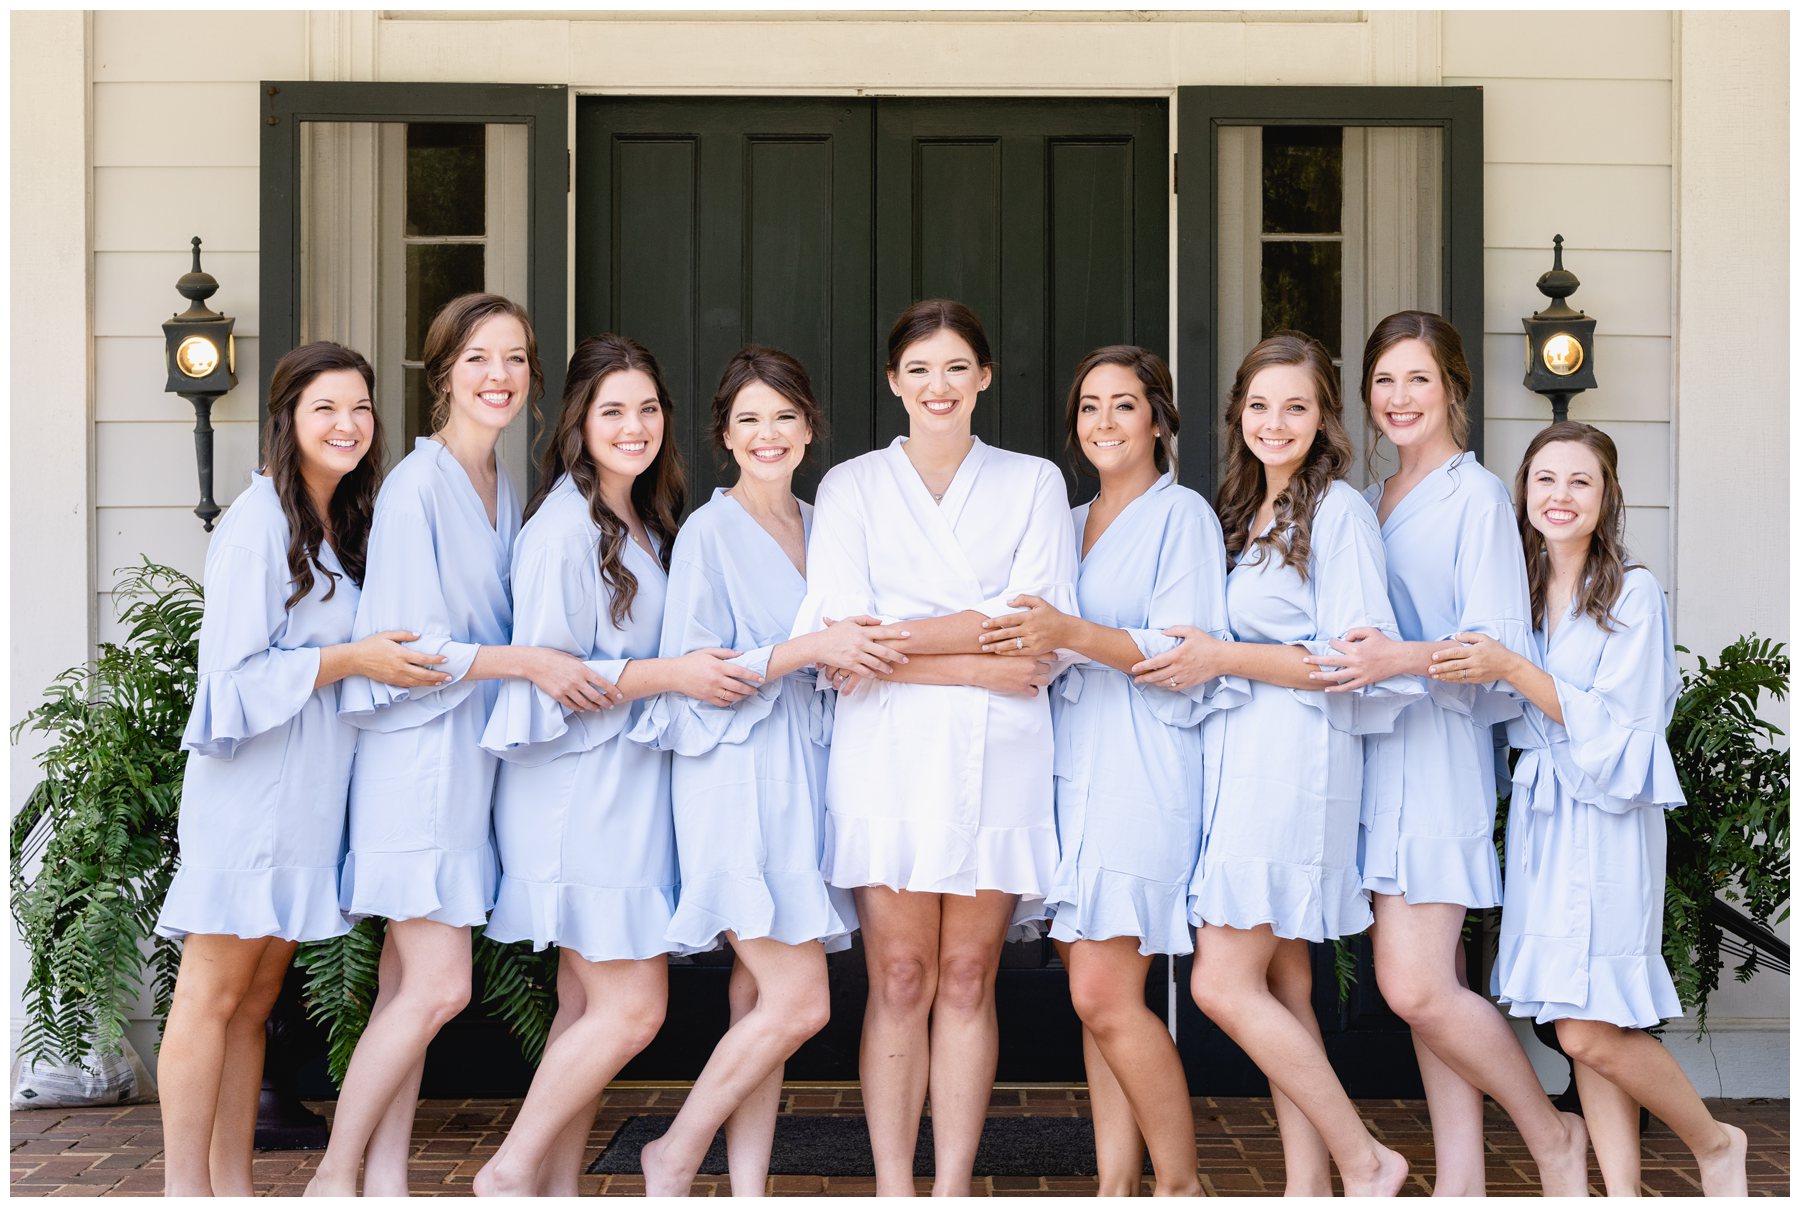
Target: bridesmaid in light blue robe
[[581, 814], [421, 843], [749, 780], [1581, 934], [1279, 836], [1454, 566]]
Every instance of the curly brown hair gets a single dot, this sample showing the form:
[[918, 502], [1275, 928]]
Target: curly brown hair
[[1446, 346], [352, 507], [1242, 488], [658, 494], [1603, 573]]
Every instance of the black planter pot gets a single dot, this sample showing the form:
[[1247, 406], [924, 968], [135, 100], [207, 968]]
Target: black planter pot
[[283, 1121]]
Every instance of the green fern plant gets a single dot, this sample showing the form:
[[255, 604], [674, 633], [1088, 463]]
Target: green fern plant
[[1731, 838], [93, 848]]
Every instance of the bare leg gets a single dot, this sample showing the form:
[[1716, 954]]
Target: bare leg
[[750, 1131], [1612, 1123], [900, 937], [233, 1150], [625, 1002], [387, 1158], [216, 974], [1459, 1152], [560, 1172], [1303, 1153], [1106, 980], [1641, 1067], [965, 1032], [431, 961], [792, 1004], [1231, 984], [1415, 965], [1118, 1145]]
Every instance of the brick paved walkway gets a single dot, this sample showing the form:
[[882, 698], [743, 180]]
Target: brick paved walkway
[[117, 1150]]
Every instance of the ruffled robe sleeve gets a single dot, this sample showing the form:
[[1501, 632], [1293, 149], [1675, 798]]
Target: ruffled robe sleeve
[[1189, 590], [1493, 600], [697, 616], [405, 590], [1044, 562], [247, 684], [1618, 750], [1347, 571], [556, 603], [837, 558]]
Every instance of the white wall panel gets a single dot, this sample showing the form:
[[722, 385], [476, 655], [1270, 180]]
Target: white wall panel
[[152, 464], [1613, 206], [1633, 373], [141, 125], [1558, 45], [1306, 54], [172, 536], [134, 291], [221, 45], [1628, 291], [129, 375], [1643, 455], [147, 209], [1574, 121]]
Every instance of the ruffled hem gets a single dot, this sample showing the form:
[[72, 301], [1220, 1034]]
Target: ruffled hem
[[934, 857], [384, 709], [1367, 710], [453, 887], [596, 923], [689, 727], [293, 903], [529, 728], [1544, 979], [1426, 869], [225, 714], [1295, 900], [1111, 905], [1612, 765], [789, 907], [1485, 703]]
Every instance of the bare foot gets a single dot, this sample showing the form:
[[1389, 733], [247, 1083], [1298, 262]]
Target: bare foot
[[1564, 1174], [495, 1181], [1384, 1180], [661, 1182], [1722, 1173]]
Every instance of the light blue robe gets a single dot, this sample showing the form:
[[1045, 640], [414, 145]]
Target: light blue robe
[[749, 779], [1581, 933], [421, 795], [1130, 759], [581, 813], [268, 770], [1278, 843], [1454, 566]]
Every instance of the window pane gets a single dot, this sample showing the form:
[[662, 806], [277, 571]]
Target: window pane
[[1303, 289], [417, 409], [1303, 179], [446, 178], [435, 273]]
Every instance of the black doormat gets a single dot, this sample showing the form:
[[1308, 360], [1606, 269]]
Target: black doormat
[[833, 1146]]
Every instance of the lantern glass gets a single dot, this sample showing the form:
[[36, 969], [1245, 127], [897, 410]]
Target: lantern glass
[[197, 356], [1562, 354]]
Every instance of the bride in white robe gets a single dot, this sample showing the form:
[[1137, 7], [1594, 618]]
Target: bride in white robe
[[939, 793]]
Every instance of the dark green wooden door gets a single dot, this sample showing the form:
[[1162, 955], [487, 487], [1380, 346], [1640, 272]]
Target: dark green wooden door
[[809, 224]]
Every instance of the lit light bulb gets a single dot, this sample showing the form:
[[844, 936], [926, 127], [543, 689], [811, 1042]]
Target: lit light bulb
[[197, 356], [1562, 354]]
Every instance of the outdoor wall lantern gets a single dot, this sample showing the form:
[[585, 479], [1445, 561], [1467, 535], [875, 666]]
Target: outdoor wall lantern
[[202, 364], [1559, 342]]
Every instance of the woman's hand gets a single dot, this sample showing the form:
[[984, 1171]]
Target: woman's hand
[[1039, 630], [1364, 656], [855, 644], [1020, 676], [1477, 658], [1195, 661], [709, 677], [570, 681], [386, 658]]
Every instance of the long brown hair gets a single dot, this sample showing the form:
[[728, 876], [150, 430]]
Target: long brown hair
[[1330, 457], [1603, 573], [352, 506], [1159, 395], [453, 327], [1446, 346], [658, 494], [926, 318], [775, 369]]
